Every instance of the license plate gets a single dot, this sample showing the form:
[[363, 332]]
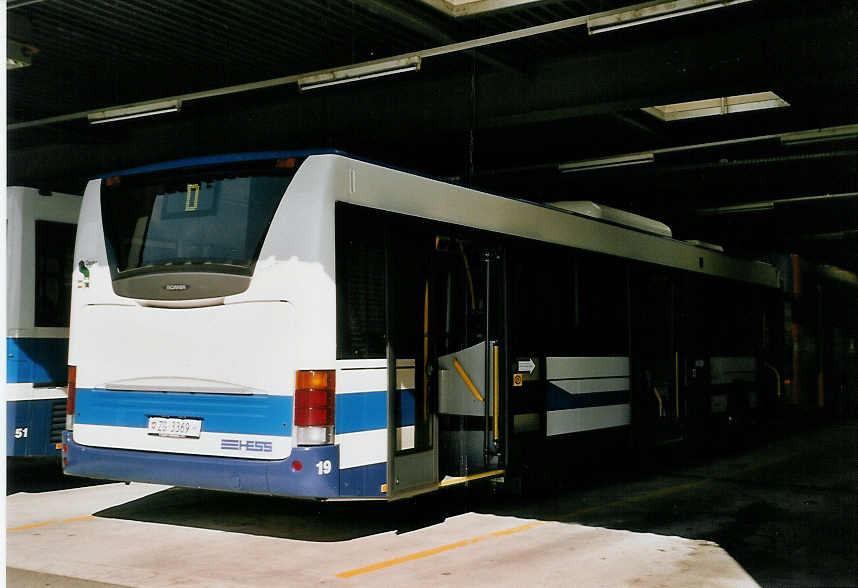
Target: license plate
[[175, 427]]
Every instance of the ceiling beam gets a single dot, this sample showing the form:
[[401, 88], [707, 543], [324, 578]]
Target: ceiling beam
[[783, 137], [447, 49], [13, 4], [406, 17], [463, 9]]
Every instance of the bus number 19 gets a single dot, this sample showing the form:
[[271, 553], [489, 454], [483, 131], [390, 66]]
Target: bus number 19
[[323, 467]]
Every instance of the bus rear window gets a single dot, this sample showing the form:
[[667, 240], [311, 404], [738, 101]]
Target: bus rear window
[[189, 221]]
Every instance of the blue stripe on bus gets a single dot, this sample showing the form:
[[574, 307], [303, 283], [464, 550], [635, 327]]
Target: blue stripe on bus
[[363, 481], [559, 399], [218, 159], [36, 360], [233, 413], [361, 411], [257, 414], [406, 408], [280, 477], [365, 411]]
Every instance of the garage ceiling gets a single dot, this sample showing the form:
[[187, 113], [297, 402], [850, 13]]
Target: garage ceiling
[[516, 89]]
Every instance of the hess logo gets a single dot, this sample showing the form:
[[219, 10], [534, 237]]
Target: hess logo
[[175, 287]]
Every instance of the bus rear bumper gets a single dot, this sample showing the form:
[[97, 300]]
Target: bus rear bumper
[[33, 426], [304, 474]]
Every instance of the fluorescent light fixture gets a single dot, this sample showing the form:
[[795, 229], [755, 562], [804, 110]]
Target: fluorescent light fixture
[[654, 12], [459, 8], [18, 54], [606, 162], [738, 208], [820, 135], [367, 71], [840, 274], [717, 106], [770, 205], [836, 236], [136, 111], [17, 62]]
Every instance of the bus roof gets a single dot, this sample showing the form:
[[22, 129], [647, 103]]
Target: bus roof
[[285, 154]]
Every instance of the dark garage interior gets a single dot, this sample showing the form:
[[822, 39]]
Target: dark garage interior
[[733, 122], [501, 116]]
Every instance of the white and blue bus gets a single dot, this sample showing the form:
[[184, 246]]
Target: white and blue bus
[[39, 252], [310, 324]]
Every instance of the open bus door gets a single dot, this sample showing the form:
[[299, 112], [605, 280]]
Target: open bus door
[[444, 360], [412, 431], [466, 308]]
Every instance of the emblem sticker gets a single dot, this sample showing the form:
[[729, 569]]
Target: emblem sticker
[[242, 445], [84, 270]]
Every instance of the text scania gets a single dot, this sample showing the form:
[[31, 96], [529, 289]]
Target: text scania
[[239, 445]]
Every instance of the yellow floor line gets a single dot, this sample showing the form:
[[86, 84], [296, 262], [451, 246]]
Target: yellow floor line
[[672, 489], [46, 523], [631, 499], [436, 550]]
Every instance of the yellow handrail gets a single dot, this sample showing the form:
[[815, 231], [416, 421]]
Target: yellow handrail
[[425, 352], [467, 380], [496, 393], [676, 382], [777, 375], [660, 403], [468, 273]]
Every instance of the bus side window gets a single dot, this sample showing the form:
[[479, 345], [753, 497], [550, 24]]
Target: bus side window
[[360, 284], [542, 312], [54, 259], [602, 325]]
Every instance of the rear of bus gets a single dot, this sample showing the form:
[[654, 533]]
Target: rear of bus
[[39, 247], [203, 335]]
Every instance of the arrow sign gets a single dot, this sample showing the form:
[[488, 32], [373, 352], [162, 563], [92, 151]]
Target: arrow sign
[[526, 365]]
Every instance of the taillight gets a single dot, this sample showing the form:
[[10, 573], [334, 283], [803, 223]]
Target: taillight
[[315, 395], [72, 393]]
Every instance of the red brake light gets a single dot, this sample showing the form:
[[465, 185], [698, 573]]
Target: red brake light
[[72, 389], [315, 394], [72, 394]]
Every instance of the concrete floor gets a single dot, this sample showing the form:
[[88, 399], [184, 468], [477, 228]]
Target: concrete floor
[[780, 513], [785, 507]]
